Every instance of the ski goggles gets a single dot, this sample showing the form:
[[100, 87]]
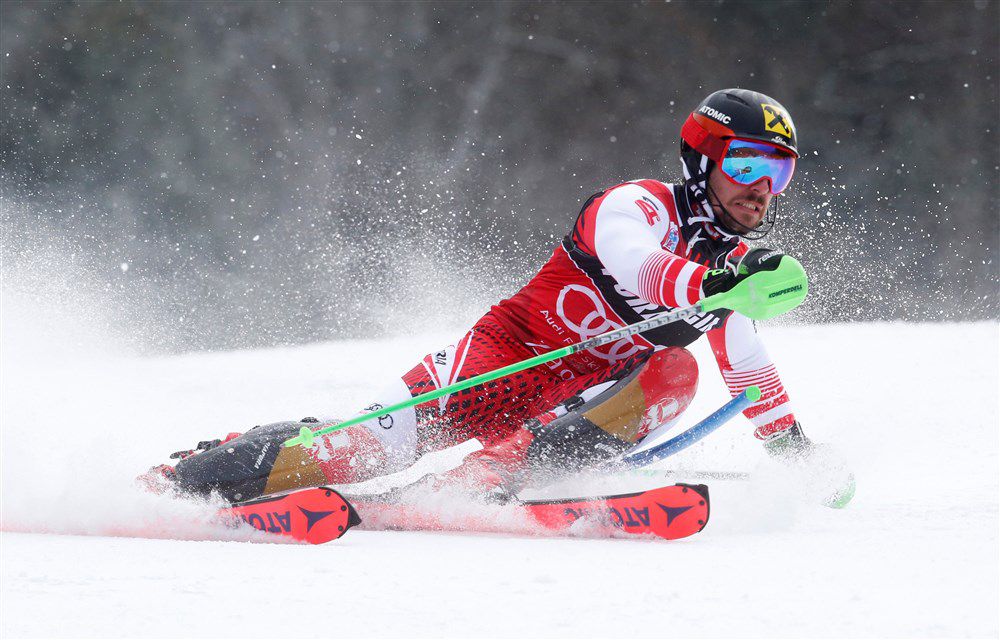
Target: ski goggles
[[748, 162]]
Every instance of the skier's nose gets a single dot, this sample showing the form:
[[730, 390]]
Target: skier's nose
[[762, 186]]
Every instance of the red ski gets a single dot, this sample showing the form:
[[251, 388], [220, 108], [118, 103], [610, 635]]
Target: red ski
[[671, 512], [668, 512], [315, 515]]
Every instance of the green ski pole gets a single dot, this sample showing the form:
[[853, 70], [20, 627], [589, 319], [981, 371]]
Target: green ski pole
[[760, 296]]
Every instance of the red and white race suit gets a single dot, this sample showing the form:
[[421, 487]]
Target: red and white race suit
[[636, 250]]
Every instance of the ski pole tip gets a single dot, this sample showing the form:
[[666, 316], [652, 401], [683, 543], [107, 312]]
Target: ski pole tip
[[753, 393]]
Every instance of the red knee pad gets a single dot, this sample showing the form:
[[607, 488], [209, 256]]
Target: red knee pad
[[669, 380]]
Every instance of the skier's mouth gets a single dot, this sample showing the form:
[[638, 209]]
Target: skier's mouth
[[751, 207]]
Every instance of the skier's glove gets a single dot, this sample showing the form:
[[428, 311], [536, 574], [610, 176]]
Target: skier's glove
[[738, 269]]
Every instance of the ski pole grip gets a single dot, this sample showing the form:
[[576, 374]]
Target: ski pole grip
[[765, 294]]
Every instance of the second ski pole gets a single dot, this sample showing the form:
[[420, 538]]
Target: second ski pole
[[680, 442]]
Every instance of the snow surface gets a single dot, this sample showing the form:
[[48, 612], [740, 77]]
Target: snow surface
[[913, 407]]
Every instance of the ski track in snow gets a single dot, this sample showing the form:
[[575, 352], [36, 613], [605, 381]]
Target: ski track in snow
[[914, 407]]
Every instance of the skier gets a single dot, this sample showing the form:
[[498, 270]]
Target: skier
[[636, 249]]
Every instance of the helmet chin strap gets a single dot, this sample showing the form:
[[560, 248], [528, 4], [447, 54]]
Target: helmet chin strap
[[696, 190]]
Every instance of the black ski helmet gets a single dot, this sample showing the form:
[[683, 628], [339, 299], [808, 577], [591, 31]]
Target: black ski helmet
[[731, 113]]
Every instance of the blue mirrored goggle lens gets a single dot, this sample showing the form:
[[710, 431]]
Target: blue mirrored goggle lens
[[747, 162]]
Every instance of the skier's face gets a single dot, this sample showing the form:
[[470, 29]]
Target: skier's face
[[747, 203]]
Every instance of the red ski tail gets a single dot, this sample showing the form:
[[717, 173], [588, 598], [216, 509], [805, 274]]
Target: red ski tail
[[309, 515], [671, 512]]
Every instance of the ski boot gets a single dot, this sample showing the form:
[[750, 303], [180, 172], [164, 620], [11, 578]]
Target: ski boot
[[163, 477], [246, 466]]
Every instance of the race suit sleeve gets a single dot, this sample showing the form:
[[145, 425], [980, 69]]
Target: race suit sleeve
[[743, 361], [628, 227]]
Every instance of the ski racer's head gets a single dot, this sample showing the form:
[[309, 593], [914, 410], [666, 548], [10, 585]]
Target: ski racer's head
[[738, 149]]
